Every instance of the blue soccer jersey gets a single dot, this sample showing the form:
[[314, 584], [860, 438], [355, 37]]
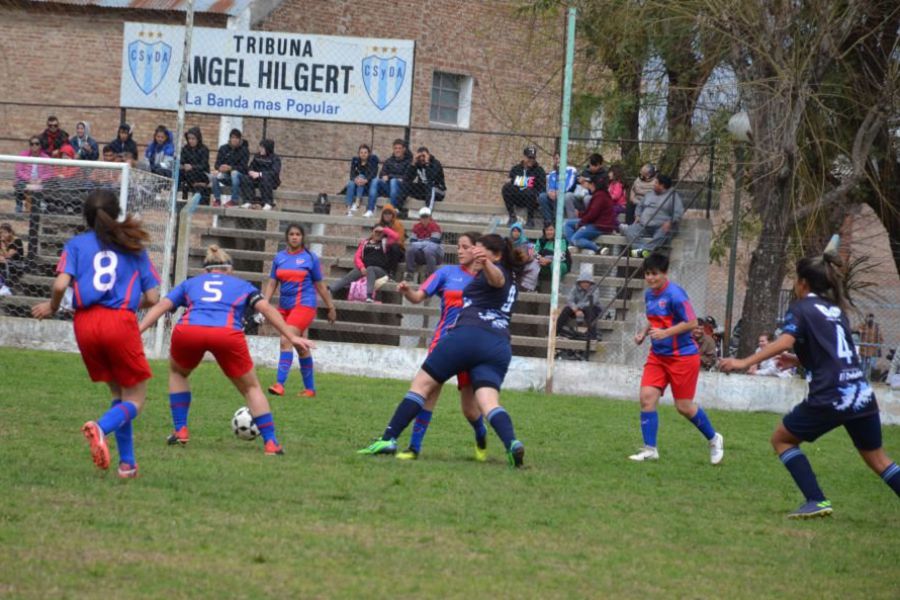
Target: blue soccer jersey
[[486, 306], [106, 275], [666, 308], [448, 281], [214, 300], [826, 350], [297, 272]]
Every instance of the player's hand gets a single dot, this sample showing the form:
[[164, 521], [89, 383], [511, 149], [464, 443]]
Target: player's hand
[[332, 315], [479, 254], [259, 318], [639, 338], [187, 167], [727, 365], [363, 271], [786, 361], [42, 310], [659, 334], [403, 287], [301, 342]]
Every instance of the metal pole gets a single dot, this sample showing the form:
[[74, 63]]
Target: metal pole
[[735, 233], [710, 177], [560, 199]]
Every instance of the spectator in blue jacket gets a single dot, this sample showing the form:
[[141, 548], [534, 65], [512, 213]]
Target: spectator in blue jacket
[[363, 171], [547, 199], [390, 181], [160, 153], [85, 146]]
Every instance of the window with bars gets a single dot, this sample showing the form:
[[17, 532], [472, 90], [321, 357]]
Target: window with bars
[[451, 98]]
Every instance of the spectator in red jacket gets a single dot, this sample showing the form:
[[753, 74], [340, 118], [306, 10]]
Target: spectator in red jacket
[[53, 137], [599, 218], [424, 245], [370, 261]]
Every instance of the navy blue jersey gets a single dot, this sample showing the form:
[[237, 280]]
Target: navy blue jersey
[[825, 349], [486, 306]]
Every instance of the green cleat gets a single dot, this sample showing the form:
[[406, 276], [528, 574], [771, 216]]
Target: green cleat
[[481, 450], [812, 510], [408, 454], [380, 447], [516, 454]]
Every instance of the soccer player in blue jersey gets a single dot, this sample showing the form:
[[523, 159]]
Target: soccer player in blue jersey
[[299, 274], [214, 303], [478, 343], [111, 276], [448, 282], [817, 329], [674, 360]]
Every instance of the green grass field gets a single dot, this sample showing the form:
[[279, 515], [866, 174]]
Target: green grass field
[[217, 519]]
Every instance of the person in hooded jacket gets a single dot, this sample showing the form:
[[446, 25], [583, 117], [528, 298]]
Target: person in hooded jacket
[[195, 165], [230, 167], [264, 173], [160, 153], [363, 171], [124, 145], [424, 180], [85, 146], [390, 182]]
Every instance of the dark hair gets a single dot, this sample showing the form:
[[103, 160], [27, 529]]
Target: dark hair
[[101, 209], [235, 133], [657, 262], [400, 141], [511, 258], [7, 228], [473, 236], [824, 277], [124, 127], [52, 118], [595, 159], [366, 146], [547, 225], [619, 172], [299, 227], [422, 149], [769, 337], [664, 180], [108, 148], [161, 129]]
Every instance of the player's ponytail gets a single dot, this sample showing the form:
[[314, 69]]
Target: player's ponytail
[[101, 211], [216, 259], [825, 277]]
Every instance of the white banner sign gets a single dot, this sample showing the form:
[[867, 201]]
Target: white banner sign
[[264, 74]]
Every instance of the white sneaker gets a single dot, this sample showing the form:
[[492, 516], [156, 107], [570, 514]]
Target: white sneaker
[[604, 251], [354, 207], [716, 449], [246, 205], [267, 207], [368, 214], [5, 291], [349, 212], [644, 454]]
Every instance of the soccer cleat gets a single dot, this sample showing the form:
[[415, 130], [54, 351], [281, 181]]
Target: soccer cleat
[[481, 450], [179, 436], [408, 454], [812, 510], [644, 454], [276, 389], [380, 447], [99, 450], [307, 394], [126, 471], [273, 449], [716, 449], [516, 454]]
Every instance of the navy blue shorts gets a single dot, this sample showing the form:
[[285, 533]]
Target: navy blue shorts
[[812, 422], [484, 354]]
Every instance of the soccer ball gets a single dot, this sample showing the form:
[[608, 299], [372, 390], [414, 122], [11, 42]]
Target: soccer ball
[[243, 426]]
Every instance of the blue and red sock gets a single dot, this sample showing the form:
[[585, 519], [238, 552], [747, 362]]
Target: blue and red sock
[[119, 414], [420, 427], [125, 439], [649, 427], [285, 360], [306, 370], [266, 426], [180, 405]]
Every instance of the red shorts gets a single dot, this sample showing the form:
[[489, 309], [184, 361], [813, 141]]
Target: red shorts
[[300, 316], [111, 346], [680, 372], [191, 342]]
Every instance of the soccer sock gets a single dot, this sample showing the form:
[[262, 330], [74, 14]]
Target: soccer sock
[[180, 404], [411, 405], [420, 427], [309, 375], [701, 422], [649, 427], [480, 431], [116, 416], [502, 424], [266, 426], [285, 360], [798, 466], [124, 440], [891, 476]]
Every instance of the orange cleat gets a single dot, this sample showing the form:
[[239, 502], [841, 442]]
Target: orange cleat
[[126, 471], [273, 449], [180, 436], [307, 394], [99, 450], [276, 389]]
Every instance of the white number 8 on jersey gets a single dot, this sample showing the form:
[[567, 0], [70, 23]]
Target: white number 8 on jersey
[[105, 264]]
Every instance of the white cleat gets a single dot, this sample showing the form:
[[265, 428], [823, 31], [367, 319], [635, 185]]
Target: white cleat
[[644, 454], [716, 449]]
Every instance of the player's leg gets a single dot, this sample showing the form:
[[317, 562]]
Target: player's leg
[[413, 403], [649, 399], [797, 426], [285, 362], [473, 415], [420, 427], [494, 354], [249, 387], [179, 402], [488, 399], [866, 435], [683, 373], [299, 321]]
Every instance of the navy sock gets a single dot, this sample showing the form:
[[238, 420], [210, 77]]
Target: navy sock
[[125, 440], [503, 425], [701, 421], [285, 360], [891, 476], [798, 466], [419, 429], [116, 416], [649, 427], [306, 370], [180, 404], [266, 426], [480, 431], [411, 405]]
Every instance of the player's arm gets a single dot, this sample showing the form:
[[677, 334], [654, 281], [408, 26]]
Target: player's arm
[[784, 343], [269, 289], [415, 296], [262, 306], [325, 294], [641, 335], [674, 330], [492, 272], [159, 309], [149, 298], [57, 291]]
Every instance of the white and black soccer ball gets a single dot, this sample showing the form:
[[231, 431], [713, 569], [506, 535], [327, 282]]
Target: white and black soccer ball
[[243, 426]]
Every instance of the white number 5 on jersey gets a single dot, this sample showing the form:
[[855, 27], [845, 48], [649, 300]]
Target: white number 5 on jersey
[[213, 288]]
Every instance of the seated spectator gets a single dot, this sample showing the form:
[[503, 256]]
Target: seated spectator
[[65, 189], [599, 218], [53, 138], [265, 174], [882, 368], [31, 177], [640, 188], [424, 180], [707, 346], [390, 182], [123, 146], [396, 251], [532, 268], [424, 245], [526, 182], [870, 341], [105, 178], [12, 258], [544, 248], [547, 198], [230, 168], [160, 152], [370, 261], [582, 303], [85, 146], [363, 171], [195, 166], [616, 188], [657, 217], [768, 367]]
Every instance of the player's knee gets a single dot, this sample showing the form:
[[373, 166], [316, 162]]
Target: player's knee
[[686, 408]]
